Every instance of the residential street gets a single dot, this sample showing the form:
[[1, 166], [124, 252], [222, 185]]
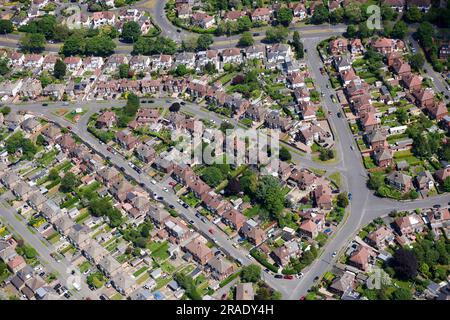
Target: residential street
[[363, 208]]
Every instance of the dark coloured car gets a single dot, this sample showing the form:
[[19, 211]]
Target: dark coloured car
[[278, 276], [339, 114], [437, 206], [45, 104]]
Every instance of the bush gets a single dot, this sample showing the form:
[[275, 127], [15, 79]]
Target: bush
[[260, 257]]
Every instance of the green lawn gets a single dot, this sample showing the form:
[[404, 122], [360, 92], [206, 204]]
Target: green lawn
[[336, 178], [140, 271], [85, 266], [161, 253]]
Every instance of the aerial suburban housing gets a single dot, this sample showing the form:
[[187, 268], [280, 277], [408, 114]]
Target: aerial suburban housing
[[224, 150]]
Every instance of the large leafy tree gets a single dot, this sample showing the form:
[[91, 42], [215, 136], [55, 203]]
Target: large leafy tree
[[251, 273], [74, 45], [157, 45], [400, 30], [212, 176], [204, 41], [59, 71], [405, 264], [6, 26], [69, 182], [32, 42], [270, 195], [320, 15], [246, 39], [276, 34], [131, 31], [132, 105], [100, 46], [285, 16]]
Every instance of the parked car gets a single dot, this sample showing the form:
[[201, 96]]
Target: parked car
[[288, 277], [211, 231], [278, 276]]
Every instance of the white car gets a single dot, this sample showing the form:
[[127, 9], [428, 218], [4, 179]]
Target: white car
[[153, 181], [165, 190], [334, 254]]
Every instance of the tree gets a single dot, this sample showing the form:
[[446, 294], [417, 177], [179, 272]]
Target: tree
[[351, 31], [181, 70], [157, 45], [5, 110], [251, 273], [69, 182], [405, 264], [32, 42], [204, 41], [59, 71], [175, 107], [400, 30], [425, 34], [320, 15], [270, 195], [413, 14], [4, 68], [73, 45], [337, 16], [249, 183], [131, 31], [53, 174], [402, 294], [210, 68], [244, 23], [246, 39], [225, 125], [233, 187], [124, 71], [298, 45], [100, 45], [387, 13], [342, 200], [402, 115], [212, 176], [61, 32], [364, 31], [285, 16], [40, 140], [6, 26], [446, 184], [132, 105], [276, 34], [285, 155], [417, 61], [18, 141], [353, 13]]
